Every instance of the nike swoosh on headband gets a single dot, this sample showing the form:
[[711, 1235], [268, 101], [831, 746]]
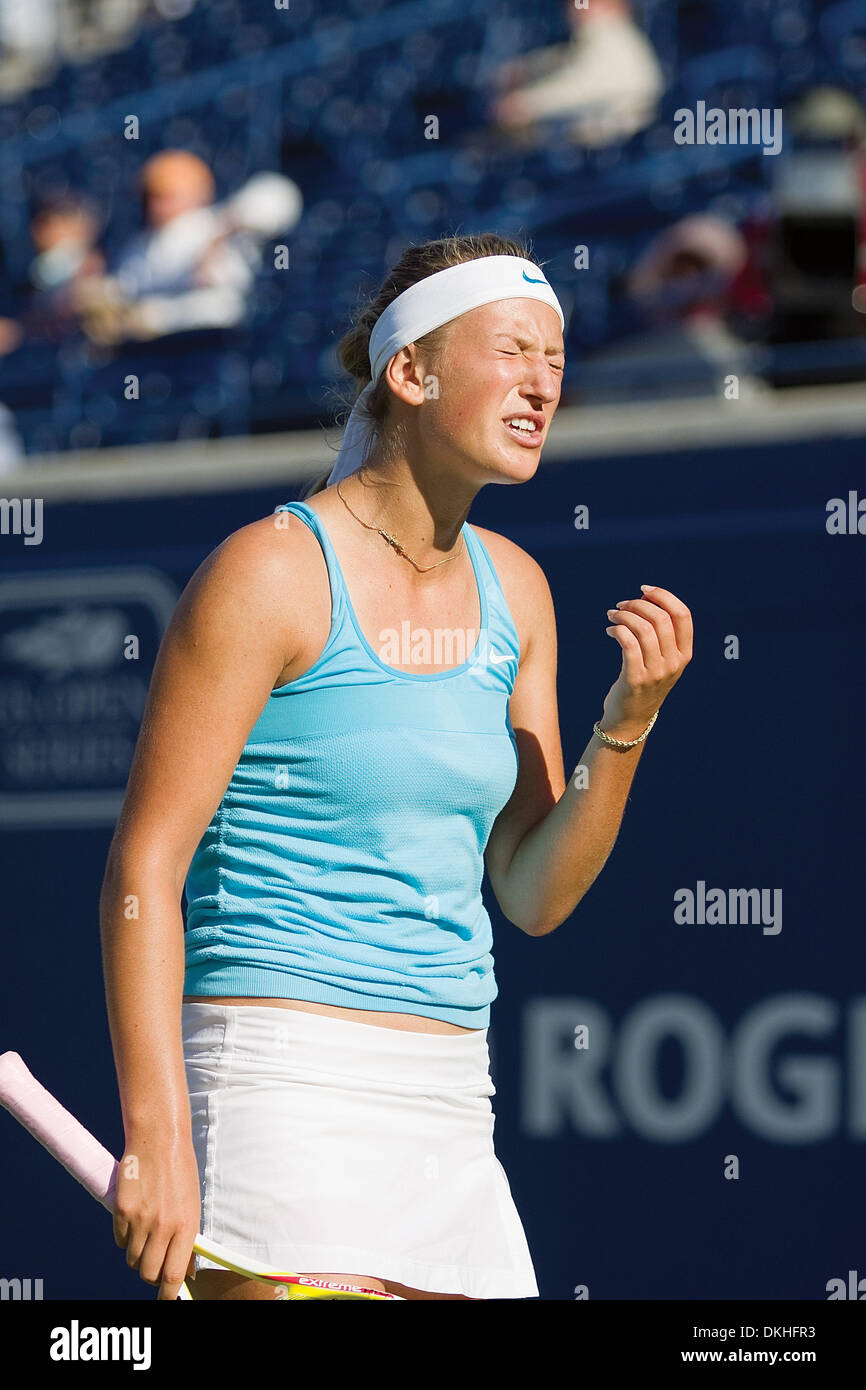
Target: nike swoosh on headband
[[533, 281]]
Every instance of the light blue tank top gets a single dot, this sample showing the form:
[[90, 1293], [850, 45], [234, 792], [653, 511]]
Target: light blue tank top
[[344, 862]]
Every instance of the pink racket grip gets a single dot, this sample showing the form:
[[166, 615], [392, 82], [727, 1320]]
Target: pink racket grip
[[56, 1130]]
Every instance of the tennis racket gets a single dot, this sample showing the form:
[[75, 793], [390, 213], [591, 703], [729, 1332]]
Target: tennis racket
[[84, 1157]]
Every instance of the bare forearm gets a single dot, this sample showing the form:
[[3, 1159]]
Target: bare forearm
[[142, 952], [564, 852], [558, 860]]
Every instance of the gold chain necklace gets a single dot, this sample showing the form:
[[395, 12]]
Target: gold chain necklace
[[422, 569]]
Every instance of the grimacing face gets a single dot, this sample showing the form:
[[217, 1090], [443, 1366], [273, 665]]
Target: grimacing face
[[501, 362]]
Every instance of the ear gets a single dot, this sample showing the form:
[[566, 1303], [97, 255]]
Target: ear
[[405, 375]]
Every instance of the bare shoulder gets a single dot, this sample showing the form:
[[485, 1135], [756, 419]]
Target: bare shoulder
[[275, 555], [268, 576], [275, 541], [524, 584], [513, 564]]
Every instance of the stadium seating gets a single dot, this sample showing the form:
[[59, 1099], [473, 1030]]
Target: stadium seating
[[335, 94]]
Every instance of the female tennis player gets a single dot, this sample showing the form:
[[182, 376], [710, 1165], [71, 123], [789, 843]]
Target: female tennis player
[[352, 713]]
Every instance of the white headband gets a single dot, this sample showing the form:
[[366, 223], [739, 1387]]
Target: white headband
[[433, 301]]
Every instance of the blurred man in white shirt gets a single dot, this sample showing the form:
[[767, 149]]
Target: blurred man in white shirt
[[607, 77], [194, 264]]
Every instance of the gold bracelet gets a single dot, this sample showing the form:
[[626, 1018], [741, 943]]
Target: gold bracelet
[[618, 743]]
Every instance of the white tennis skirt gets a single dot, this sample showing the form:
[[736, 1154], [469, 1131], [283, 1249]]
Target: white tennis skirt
[[329, 1146]]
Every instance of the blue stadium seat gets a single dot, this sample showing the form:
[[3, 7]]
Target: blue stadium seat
[[251, 87]]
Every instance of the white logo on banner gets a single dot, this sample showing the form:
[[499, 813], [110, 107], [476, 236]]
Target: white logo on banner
[[71, 700]]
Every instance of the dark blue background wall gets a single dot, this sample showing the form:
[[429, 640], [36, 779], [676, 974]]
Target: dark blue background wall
[[706, 1040]]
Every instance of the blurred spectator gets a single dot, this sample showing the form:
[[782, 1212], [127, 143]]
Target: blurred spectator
[[828, 114], [679, 287], [92, 27], [816, 262], [64, 232], [607, 77], [28, 43], [35, 35], [195, 263]]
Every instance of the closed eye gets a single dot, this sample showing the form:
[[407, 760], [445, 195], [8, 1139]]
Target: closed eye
[[557, 366]]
